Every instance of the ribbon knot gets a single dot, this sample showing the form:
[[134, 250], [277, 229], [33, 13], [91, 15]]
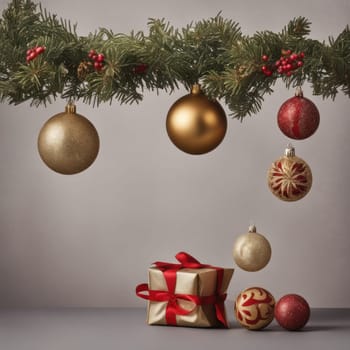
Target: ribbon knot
[[172, 299], [173, 308]]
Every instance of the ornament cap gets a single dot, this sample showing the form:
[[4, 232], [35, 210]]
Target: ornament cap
[[289, 151], [299, 92], [252, 229], [196, 89], [71, 108]]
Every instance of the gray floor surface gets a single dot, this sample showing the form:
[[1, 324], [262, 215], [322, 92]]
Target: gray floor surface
[[118, 329]]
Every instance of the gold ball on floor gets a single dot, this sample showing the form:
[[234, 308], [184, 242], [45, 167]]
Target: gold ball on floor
[[68, 143], [196, 124], [251, 251], [254, 308]]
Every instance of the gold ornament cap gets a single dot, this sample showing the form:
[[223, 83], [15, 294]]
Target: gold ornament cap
[[196, 89], [71, 108], [252, 228], [289, 151]]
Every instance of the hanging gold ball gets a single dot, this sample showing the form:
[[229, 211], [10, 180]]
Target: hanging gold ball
[[289, 178], [68, 143], [251, 251], [195, 124]]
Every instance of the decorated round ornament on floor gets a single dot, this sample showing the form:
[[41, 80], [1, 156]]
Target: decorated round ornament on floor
[[298, 117], [292, 312], [68, 143], [289, 177], [254, 308], [196, 124], [251, 251]]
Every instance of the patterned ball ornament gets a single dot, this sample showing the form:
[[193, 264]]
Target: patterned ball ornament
[[298, 117], [254, 308], [251, 251], [196, 124], [289, 178]]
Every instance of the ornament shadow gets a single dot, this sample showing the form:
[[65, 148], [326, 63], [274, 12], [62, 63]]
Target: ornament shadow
[[307, 329]]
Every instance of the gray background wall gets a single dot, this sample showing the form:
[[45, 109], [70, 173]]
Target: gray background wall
[[87, 240]]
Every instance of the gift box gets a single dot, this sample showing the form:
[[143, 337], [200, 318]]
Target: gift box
[[186, 294]]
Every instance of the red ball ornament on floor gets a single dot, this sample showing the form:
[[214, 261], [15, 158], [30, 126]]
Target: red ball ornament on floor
[[298, 117], [292, 312]]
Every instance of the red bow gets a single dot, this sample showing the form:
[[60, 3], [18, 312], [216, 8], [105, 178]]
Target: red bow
[[173, 308]]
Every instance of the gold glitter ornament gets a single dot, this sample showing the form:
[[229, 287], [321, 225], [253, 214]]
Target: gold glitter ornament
[[68, 143]]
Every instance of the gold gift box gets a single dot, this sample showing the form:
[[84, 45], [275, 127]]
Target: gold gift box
[[201, 282]]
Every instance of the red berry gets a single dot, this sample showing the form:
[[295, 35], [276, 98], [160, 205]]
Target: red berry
[[293, 56], [288, 52], [100, 58], [300, 63], [302, 55], [39, 50], [94, 57], [288, 67], [280, 69], [265, 58], [91, 53], [141, 68], [29, 51], [264, 68], [32, 55], [289, 73], [98, 66], [268, 73], [278, 63]]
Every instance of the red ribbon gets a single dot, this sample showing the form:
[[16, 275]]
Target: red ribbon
[[169, 296]]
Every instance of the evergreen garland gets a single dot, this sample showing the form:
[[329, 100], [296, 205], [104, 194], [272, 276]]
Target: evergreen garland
[[213, 52]]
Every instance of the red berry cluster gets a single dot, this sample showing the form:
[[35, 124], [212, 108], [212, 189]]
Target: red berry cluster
[[98, 58], [140, 68], [34, 52], [288, 62]]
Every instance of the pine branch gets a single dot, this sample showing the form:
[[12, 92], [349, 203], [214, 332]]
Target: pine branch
[[212, 52]]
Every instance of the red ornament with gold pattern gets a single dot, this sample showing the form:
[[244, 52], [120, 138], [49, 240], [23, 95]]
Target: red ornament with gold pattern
[[289, 178], [254, 308]]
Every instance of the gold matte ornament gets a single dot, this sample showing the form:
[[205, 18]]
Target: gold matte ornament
[[68, 143], [289, 177], [251, 251], [195, 124]]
